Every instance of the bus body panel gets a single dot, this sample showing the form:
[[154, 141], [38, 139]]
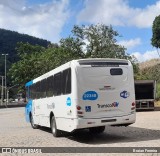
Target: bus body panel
[[28, 109], [104, 99], [108, 89]]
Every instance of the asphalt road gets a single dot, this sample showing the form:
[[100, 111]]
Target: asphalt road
[[15, 132]]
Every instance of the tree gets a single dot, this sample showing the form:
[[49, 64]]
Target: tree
[[29, 65], [100, 41], [155, 41], [74, 46], [96, 41], [37, 60]]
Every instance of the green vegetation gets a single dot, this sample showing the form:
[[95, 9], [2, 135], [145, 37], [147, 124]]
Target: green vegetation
[[8, 44], [101, 41], [155, 41], [37, 60], [158, 91], [86, 42], [150, 73]]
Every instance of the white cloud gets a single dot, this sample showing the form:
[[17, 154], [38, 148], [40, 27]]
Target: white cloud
[[130, 43], [146, 56], [144, 17], [118, 13], [44, 21], [84, 47]]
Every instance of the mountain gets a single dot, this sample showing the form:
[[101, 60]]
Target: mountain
[[8, 43]]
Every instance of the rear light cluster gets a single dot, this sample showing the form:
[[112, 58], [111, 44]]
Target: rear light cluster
[[78, 108], [79, 111], [133, 106]]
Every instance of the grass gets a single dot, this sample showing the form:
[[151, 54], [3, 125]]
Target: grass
[[157, 103], [149, 63]]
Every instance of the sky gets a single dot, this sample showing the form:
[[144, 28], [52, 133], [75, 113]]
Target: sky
[[54, 19]]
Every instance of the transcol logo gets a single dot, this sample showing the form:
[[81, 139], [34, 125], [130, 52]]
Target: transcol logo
[[114, 104]]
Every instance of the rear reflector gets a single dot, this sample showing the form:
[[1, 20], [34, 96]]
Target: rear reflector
[[133, 108], [80, 115], [90, 122], [80, 112]]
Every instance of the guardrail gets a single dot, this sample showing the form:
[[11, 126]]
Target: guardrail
[[12, 105]]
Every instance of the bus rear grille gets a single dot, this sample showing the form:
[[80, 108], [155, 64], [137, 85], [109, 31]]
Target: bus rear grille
[[110, 120]]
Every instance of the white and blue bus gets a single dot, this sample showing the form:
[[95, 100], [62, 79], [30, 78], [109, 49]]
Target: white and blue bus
[[85, 93]]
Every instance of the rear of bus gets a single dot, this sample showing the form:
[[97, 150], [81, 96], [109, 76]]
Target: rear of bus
[[105, 93]]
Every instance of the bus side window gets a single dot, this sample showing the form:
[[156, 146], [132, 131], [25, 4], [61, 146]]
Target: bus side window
[[57, 84], [66, 81], [36, 91], [43, 88], [27, 89], [31, 92], [49, 86]]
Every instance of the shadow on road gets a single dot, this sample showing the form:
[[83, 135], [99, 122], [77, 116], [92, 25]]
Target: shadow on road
[[111, 135]]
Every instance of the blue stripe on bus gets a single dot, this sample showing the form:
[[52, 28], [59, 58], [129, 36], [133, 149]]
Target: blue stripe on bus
[[28, 109], [29, 83]]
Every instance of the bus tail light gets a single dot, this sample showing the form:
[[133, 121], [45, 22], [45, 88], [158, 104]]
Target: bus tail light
[[78, 108], [80, 114], [133, 106]]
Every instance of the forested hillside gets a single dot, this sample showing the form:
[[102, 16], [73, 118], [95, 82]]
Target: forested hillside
[[8, 43]]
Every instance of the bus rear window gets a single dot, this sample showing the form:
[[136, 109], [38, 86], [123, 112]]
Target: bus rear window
[[116, 71]]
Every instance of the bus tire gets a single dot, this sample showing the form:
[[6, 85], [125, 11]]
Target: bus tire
[[97, 130], [34, 126], [55, 131]]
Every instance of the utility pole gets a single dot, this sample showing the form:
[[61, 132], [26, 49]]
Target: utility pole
[[5, 86], [2, 91], [8, 92]]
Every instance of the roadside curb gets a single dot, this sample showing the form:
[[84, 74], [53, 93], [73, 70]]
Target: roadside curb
[[12, 106]]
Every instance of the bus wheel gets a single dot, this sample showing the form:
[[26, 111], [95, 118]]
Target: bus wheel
[[55, 131], [34, 126], [96, 130]]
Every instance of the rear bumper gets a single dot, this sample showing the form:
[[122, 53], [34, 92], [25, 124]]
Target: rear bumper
[[86, 123], [145, 104]]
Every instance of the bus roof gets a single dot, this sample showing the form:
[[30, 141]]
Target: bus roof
[[100, 59]]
